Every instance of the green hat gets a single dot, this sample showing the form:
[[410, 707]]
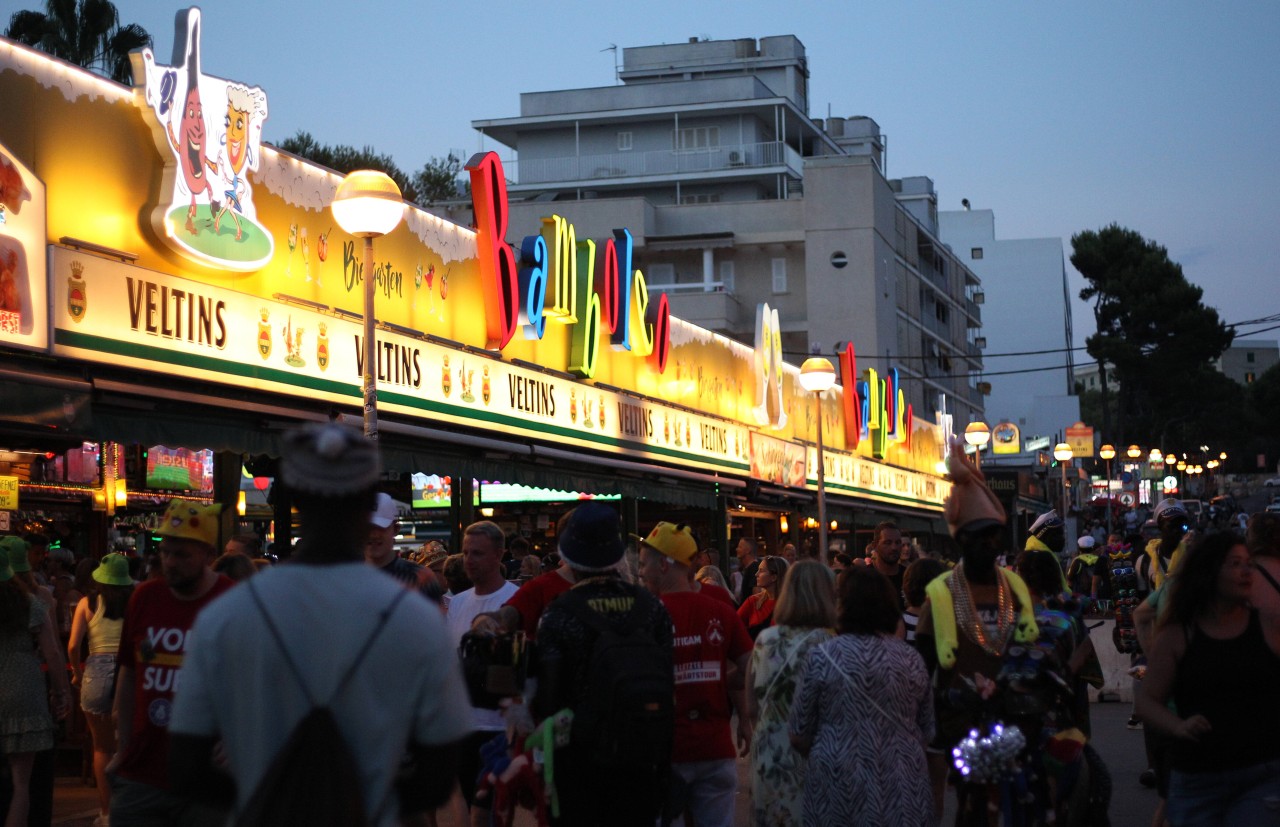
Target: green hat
[[113, 570], [15, 549]]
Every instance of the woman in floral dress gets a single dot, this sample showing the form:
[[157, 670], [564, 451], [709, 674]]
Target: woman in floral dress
[[803, 617]]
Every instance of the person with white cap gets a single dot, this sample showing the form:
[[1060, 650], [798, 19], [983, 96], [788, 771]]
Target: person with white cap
[[327, 629], [1085, 572], [380, 550], [1047, 533], [1165, 552]]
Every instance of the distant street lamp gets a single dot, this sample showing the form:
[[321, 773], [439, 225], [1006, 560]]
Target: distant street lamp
[[817, 375], [1062, 453], [978, 435], [1108, 453], [1134, 452], [368, 204]]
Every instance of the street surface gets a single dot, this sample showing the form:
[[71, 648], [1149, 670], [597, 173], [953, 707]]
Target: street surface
[[1131, 804]]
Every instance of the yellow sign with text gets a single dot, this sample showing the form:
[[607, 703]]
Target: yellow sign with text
[[8, 493]]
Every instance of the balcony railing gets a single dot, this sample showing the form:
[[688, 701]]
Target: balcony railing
[[655, 163]]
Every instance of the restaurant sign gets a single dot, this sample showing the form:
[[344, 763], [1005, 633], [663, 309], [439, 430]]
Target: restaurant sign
[[24, 303]]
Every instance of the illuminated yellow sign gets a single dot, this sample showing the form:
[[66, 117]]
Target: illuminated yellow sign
[[8, 493]]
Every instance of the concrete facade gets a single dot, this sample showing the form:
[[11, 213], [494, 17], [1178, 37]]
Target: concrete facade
[[1248, 359]]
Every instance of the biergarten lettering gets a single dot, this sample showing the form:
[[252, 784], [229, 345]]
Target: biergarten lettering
[[386, 279]]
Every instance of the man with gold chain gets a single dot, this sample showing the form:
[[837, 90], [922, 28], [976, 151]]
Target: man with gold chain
[[971, 615]]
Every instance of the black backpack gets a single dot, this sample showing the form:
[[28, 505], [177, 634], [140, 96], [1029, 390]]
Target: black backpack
[[314, 777], [626, 715]]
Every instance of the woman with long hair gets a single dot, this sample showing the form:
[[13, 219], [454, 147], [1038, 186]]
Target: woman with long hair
[[1263, 539], [863, 714], [99, 617], [25, 725], [1219, 664], [804, 616], [756, 610]]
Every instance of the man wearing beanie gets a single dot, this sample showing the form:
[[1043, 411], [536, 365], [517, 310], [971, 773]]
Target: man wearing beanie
[[971, 614], [327, 629], [153, 646], [594, 790], [711, 653]]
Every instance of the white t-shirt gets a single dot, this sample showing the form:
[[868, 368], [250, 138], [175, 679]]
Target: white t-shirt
[[463, 609], [235, 683]]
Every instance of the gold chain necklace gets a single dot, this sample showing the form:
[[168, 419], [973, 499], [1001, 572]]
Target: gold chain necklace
[[968, 619]]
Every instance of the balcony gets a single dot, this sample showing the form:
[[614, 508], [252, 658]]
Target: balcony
[[655, 164], [704, 304]]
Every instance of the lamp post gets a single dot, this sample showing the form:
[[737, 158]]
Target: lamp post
[[1062, 453], [978, 435], [1108, 453], [368, 204], [817, 375]]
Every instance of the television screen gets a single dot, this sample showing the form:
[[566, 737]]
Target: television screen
[[432, 491], [179, 469], [501, 492]]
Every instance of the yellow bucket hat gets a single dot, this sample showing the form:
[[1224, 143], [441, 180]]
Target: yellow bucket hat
[[187, 520]]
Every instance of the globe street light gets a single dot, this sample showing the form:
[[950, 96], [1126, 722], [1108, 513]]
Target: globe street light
[[978, 435], [1062, 453], [817, 375], [368, 204], [1108, 453]]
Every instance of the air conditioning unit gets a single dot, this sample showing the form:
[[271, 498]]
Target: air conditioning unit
[[735, 158]]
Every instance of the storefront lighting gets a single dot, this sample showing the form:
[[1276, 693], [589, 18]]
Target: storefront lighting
[[1223, 456], [486, 512], [783, 525], [834, 525], [1181, 466], [242, 504], [121, 493], [1157, 456], [368, 204], [817, 375]]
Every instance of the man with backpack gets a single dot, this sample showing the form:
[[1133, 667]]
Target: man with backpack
[[333, 690], [605, 653], [711, 652]]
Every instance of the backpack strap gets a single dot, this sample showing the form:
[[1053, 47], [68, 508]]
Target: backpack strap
[[383, 617], [1268, 576]]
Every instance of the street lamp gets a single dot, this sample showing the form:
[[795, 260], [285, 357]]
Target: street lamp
[[1133, 453], [1062, 453], [817, 375], [978, 435], [368, 204], [1108, 453]]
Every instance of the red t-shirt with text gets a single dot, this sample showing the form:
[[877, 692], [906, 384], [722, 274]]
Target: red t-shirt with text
[[534, 597], [719, 593], [153, 641], [708, 637]]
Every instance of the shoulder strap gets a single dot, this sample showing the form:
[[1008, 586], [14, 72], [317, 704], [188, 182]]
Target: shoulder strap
[[857, 690], [383, 617], [1266, 574]]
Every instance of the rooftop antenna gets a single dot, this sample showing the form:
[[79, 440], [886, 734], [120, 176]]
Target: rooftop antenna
[[613, 47]]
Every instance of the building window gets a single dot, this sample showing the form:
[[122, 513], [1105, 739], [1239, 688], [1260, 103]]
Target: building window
[[942, 313], [1249, 377], [779, 275], [690, 138], [726, 276], [662, 274], [624, 141], [975, 253], [1248, 357], [700, 198]]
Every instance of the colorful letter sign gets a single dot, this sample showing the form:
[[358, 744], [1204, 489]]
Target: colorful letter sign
[[206, 210]]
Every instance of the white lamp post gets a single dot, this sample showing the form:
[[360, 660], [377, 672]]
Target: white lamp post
[[1062, 453], [817, 375], [1108, 453], [368, 204], [978, 435]]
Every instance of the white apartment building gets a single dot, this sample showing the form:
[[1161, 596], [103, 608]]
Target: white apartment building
[[735, 196]]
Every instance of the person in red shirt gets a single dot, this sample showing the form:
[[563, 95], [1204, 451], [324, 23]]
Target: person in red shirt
[[757, 610], [524, 609], [711, 649], [153, 641]]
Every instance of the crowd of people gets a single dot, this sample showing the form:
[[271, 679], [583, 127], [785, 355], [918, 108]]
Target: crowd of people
[[620, 680]]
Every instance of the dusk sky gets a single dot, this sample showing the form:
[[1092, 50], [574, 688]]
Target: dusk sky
[[1059, 117]]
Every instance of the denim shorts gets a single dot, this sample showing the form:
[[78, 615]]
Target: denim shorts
[[1247, 795], [97, 689]]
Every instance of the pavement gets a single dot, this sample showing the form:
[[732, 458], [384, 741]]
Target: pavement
[[75, 803]]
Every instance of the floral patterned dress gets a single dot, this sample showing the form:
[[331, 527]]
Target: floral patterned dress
[[777, 770]]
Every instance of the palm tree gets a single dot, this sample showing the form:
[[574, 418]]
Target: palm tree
[[84, 32]]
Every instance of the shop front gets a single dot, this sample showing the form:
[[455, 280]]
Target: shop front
[[171, 307]]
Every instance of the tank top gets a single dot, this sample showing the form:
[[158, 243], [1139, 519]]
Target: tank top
[[1234, 684], [104, 634]]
